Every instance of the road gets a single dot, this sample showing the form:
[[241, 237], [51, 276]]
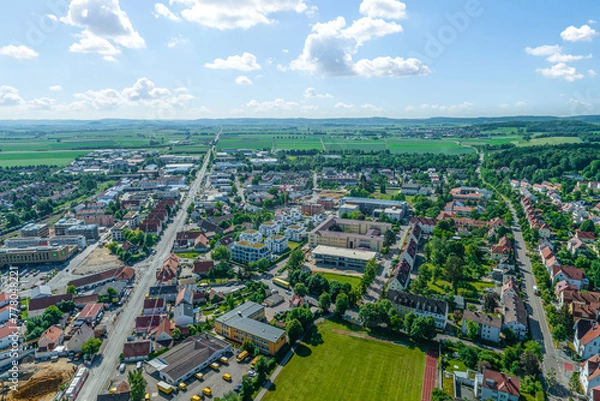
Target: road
[[98, 380], [538, 325]]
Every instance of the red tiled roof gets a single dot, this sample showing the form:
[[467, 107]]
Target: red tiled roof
[[502, 382], [136, 349], [570, 272]]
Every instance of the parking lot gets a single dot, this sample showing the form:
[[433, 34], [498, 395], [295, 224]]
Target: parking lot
[[212, 379]]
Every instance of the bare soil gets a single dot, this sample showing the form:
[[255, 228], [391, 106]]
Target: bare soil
[[41, 382], [100, 259]]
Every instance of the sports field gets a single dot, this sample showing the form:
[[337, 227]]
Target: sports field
[[331, 366]]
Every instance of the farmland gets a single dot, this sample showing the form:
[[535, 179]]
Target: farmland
[[38, 158], [338, 366]]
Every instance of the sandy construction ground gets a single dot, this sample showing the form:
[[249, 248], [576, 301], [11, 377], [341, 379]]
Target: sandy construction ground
[[100, 259]]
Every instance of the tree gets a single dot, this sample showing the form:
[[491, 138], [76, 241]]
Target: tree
[[248, 345], [230, 396], [261, 369], [303, 314], [294, 330], [530, 364], [12, 219], [300, 290], [389, 238], [454, 271], [587, 226], [137, 385], [472, 329], [220, 253], [559, 333], [439, 395], [325, 302], [71, 290], [491, 302], [91, 346], [296, 259], [176, 333], [423, 328], [341, 304]]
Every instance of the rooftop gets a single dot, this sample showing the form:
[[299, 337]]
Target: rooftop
[[344, 253]]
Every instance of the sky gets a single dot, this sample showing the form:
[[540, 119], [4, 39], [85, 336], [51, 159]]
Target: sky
[[188, 59]]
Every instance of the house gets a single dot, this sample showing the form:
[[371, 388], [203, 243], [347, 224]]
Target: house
[[202, 267], [38, 305], [497, 386], [587, 338], [120, 393], [50, 339], [91, 313], [571, 275], [84, 333], [123, 273], [168, 292], [145, 324], [226, 241], [576, 246], [405, 303], [169, 268], [502, 249], [277, 243], [154, 306], [183, 315], [163, 332], [590, 374], [427, 224], [185, 296], [515, 315], [400, 277], [136, 351], [489, 326], [585, 237], [40, 291], [510, 286], [191, 356]]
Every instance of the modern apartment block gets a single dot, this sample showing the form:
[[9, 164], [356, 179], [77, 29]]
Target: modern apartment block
[[349, 234]]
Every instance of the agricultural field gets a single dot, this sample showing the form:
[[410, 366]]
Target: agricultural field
[[557, 140], [38, 158], [445, 146], [337, 366]]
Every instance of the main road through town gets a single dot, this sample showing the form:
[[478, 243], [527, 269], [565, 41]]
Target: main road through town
[[98, 380]]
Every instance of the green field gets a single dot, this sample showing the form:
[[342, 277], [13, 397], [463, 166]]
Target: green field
[[449, 147], [38, 158], [353, 280], [556, 140], [329, 366]]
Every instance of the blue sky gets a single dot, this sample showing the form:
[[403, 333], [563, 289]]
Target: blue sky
[[186, 59]]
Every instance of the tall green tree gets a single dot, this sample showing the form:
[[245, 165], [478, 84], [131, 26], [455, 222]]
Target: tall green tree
[[137, 385]]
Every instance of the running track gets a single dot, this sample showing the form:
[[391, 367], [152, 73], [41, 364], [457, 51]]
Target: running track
[[430, 374]]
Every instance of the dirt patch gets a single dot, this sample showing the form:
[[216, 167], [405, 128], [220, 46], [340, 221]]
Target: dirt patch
[[100, 259], [44, 383], [333, 194]]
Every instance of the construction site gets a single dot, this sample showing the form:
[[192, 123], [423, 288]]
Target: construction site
[[39, 381]]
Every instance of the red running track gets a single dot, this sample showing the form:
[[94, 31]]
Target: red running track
[[430, 374]]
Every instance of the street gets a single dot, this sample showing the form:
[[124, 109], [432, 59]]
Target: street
[[98, 379]]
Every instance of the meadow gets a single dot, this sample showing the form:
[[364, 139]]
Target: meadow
[[335, 366]]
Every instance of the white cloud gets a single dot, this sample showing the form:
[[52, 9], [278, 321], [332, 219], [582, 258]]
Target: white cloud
[[329, 48], [344, 106], [52, 17], [566, 58], [243, 80], [9, 96], [310, 107], [245, 62], [277, 104], [285, 51], [443, 108], [105, 26], [560, 71], [143, 92], [545, 50], [230, 14], [592, 21], [390, 67], [372, 107], [42, 103], [584, 33], [56, 88], [160, 10], [311, 92], [517, 105], [18, 52], [177, 41], [388, 9], [90, 43], [592, 73]]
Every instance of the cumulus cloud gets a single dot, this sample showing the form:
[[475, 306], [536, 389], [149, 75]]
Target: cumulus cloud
[[344, 106], [9, 96], [561, 71], [177, 41], [388, 9], [18, 52], [582, 34], [245, 62], [105, 27], [566, 58], [442, 108], [545, 50], [311, 92], [42, 103], [592, 73], [330, 46], [266, 106], [372, 107], [56, 88], [160, 10], [243, 80], [230, 14]]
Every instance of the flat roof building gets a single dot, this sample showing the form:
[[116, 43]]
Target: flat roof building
[[350, 234], [340, 258]]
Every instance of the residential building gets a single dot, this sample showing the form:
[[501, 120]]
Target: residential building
[[154, 306], [266, 229], [277, 243], [202, 267], [51, 338], [35, 230], [251, 236], [83, 333], [497, 386], [587, 338], [489, 326], [341, 258], [91, 313], [123, 273], [405, 303], [117, 231], [368, 205], [183, 315], [310, 209], [295, 233], [515, 315], [247, 322], [247, 252], [590, 375], [137, 351], [350, 234], [40, 291], [571, 275], [501, 250], [400, 277], [193, 355]]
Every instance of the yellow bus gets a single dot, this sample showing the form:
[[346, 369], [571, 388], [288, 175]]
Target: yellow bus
[[281, 283], [254, 362], [243, 355]]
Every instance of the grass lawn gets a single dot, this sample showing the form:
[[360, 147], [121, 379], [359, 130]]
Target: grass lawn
[[333, 367], [188, 255], [293, 245], [353, 280], [451, 363]]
